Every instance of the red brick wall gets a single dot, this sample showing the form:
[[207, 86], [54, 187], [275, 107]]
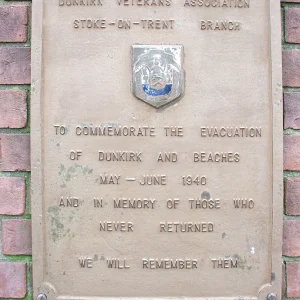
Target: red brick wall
[[291, 83], [15, 225]]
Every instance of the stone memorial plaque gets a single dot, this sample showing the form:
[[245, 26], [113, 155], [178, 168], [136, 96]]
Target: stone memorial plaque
[[156, 149]]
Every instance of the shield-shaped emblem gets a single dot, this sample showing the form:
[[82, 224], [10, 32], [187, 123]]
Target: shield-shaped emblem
[[157, 73]]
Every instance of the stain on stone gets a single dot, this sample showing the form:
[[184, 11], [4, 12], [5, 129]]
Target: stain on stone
[[205, 196], [67, 174], [242, 263], [57, 228], [273, 276], [71, 216], [61, 169]]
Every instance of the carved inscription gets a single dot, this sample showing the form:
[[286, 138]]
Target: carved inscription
[[166, 263], [224, 263], [168, 131], [218, 3], [110, 226], [202, 202], [105, 22], [116, 263], [114, 130], [186, 227], [155, 162], [102, 23], [220, 25], [80, 3], [145, 2], [85, 262]]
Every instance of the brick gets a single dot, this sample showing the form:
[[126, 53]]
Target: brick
[[13, 23], [14, 152], [291, 238], [13, 109], [12, 196], [292, 196], [293, 279], [292, 25], [12, 280], [291, 152], [291, 68], [14, 65], [292, 110], [16, 237]]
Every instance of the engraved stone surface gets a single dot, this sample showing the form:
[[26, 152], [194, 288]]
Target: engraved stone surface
[[156, 150]]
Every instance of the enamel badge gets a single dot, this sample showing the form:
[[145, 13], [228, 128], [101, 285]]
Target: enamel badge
[[157, 73]]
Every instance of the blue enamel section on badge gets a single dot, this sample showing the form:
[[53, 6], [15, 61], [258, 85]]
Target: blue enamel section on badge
[[152, 92]]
